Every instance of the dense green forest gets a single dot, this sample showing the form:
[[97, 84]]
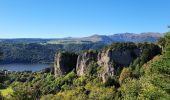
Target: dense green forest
[[145, 79], [38, 52]]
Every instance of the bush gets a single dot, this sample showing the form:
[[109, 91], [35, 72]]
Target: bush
[[92, 69], [112, 81], [81, 81], [1, 97], [47, 97], [126, 73], [102, 93]]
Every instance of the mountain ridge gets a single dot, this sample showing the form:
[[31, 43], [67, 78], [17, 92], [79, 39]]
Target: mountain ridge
[[107, 39]]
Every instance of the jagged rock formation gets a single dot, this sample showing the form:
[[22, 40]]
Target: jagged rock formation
[[84, 60], [64, 63], [113, 60], [110, 61]]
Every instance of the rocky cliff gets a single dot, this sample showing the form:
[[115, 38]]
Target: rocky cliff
[[64, 63], [110, 61], [84, 60], [113, 60]]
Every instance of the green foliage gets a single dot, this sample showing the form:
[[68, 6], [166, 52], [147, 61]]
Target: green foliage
[[154, 84], [121, 45], [47, 97], [6, 92], [162, 42], [39, 53], [68, 54], [126, 73], [1, 97], [81, 81], [22, 91], [68, 79], [102, 93], [3, 77], [92, 69], [111, 81], [142, 89], [91, 51], [130, 90], [136, 72], [161, 69], [149, 50]]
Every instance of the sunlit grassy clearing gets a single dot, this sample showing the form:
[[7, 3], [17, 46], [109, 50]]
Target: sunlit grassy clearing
[[6, 91]]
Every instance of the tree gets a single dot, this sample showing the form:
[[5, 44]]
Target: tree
[[1, 97], [92, 69], [126, 72], [162, 42]]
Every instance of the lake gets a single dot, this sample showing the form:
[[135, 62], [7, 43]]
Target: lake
[[24, 67]]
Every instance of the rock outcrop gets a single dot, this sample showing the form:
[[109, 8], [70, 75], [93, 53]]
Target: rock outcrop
[[108, 61], [84, 60], [113, 60], [64, 63]]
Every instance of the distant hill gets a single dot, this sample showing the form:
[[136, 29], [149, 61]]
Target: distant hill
[[131, 37], [106, 39]]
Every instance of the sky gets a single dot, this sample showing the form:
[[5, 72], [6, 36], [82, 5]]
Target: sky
[[79, 18]]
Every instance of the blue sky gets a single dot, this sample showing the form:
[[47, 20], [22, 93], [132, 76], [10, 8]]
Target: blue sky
[[78, 18]]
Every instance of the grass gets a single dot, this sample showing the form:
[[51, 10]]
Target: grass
[[6, 91]]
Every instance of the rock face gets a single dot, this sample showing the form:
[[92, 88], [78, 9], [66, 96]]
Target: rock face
[[109, 61], [112, 60], [64, 63], [84, 60]]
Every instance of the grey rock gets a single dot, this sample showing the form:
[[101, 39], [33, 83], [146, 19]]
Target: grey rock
[[113, 60], [83, 62], [64, 63]]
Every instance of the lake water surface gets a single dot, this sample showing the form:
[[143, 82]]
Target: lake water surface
[[24, 67]]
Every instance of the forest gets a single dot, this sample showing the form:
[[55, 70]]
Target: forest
[[38, 52], [146, 78]]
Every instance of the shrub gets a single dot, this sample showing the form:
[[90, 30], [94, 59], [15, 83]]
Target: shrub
[[92, 69], [1, 97], [81, 81], [126, 73], [102, 93]]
